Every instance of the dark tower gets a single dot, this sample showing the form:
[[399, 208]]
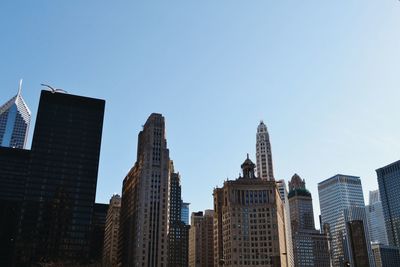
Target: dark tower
[[178, 232], [61, 186]]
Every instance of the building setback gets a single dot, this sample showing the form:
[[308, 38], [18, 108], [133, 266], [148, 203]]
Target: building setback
[[15, 118], [110, 248], [249, 227], [60, 188], [389, 188], [309, 245], [342, 203], [201, 242], [144, 205]]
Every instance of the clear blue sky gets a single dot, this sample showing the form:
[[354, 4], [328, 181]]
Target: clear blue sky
[[323, 75]]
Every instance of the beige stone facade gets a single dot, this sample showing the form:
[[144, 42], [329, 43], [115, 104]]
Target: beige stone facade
[[249, 227], [201, 245], [110, 248]]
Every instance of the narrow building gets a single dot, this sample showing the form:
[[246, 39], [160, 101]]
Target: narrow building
[[201, 241], [178, 231], [310, 247], [110, 244]]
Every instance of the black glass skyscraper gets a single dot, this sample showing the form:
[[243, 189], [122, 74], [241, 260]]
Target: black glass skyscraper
[[61, 186], [389, 187]]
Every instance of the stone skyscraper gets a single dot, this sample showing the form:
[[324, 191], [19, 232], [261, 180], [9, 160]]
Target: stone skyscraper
[[343, 212], [201, 241], [263, 154], [389, 188], [310, 247], [110, 244], [249, 228], [15, 117], [144, 205]]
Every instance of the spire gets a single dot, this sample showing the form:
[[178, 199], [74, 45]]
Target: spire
[[20, 87]]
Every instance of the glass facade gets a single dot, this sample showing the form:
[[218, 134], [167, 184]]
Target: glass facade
[[376, 219], [389, 187], [341, 201], [185, 213], [15, 117], [60, 189]]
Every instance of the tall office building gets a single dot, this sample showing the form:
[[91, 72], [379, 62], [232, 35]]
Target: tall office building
[[60, 189], [389, 188], [376, 219], [263, 153], [342, 202], [178, 231], [185, 213], [15, 117], [288, 229], [201, 241], [309, 245], [249, 228], [110, 248], [144, 205]]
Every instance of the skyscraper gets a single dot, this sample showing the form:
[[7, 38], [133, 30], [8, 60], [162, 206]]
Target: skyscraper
[[60, 189], [376, 219], [15, 117], [249, 228], [178, 231], [309, 245], [264, 154], [110, 248], [342, 202], [144, 205], [201, 241], [389, 188]]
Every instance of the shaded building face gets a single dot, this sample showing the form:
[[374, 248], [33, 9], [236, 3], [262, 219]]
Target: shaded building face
[[389, 187], [14, 164], [359, 247], [60, 191]]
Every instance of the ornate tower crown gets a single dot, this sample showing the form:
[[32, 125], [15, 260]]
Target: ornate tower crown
[[248, 168]]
